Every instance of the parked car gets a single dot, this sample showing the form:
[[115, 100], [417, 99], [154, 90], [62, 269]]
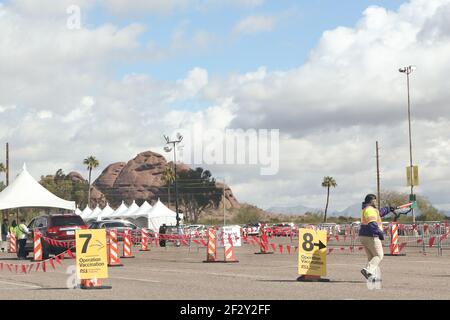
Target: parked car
[[283, 229], [251, 229], [120, 226], [196, 230], [59, 227]]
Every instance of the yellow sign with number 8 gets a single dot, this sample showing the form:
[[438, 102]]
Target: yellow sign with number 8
[[312, 252]]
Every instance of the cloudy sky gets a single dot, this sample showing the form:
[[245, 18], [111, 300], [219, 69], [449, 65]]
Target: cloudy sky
[[325, 73]]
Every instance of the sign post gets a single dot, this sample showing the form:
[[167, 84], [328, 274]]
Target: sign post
[[92, 261], [312, 255]]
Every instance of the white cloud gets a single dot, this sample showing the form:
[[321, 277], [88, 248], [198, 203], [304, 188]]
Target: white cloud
[[330, 110], [255, 24]]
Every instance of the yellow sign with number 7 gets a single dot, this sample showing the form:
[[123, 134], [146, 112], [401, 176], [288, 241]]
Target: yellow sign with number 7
[[92, 259]]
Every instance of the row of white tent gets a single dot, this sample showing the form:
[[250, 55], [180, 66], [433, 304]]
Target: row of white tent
[[26, 192], [144, 216]]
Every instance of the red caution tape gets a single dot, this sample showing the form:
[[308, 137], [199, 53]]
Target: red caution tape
[[24, 268], [281, 248], [44, 266], [273, 247], [431, 242], [402, 246]]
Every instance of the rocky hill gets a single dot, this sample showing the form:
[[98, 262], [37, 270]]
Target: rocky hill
[[138, 179]]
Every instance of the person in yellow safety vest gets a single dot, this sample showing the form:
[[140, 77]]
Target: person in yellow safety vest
[[371, 234], [21, 235], [12, 228]]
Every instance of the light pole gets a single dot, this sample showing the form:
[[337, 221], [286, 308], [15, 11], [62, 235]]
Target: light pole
[[408, 70], [168, 149]]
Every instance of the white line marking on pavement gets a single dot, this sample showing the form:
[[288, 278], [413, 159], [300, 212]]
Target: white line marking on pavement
[[20, 284]]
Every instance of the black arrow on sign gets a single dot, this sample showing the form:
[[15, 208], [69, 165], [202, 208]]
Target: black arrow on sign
[[320, 245]]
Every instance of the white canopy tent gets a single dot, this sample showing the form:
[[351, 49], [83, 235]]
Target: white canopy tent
[[160, 215], [142, 212], [86, 212], [78, 211], [131, 210], [94, 214], [105, 212], [139, 217], [119, 214], [122, 208], [25, 191]]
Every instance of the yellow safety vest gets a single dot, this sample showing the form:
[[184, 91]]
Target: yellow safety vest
[[371, 214]]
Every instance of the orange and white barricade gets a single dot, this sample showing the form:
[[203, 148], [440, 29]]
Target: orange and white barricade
[[37, 246], [395, 250], [229, 251], [211, 247], [144, 240], [127, 245], [113, 250], [12, 243]]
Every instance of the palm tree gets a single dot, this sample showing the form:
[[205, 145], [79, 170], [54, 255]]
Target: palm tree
[[91, 162], [2, 167], [328, 182], [168, 177]]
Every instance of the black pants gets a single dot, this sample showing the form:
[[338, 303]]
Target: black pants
[[21, 252]]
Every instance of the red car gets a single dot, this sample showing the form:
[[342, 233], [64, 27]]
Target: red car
[[59, 227]]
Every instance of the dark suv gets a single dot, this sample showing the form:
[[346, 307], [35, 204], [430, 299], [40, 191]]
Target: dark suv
[[119, 225], [60, 227]]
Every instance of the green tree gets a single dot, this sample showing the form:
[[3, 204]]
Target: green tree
[[197, 191], [248, 214], [64, 187], [168, 178], [328, 182], [91, 162]]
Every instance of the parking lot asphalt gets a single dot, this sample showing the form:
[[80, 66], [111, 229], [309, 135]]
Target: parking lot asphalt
[[179, 273]]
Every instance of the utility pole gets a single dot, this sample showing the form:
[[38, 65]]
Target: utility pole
[[7, 175], [223, 201], [408, 70], [378, 176]]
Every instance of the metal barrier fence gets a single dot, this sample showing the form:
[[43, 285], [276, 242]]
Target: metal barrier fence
[[425, 237]]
